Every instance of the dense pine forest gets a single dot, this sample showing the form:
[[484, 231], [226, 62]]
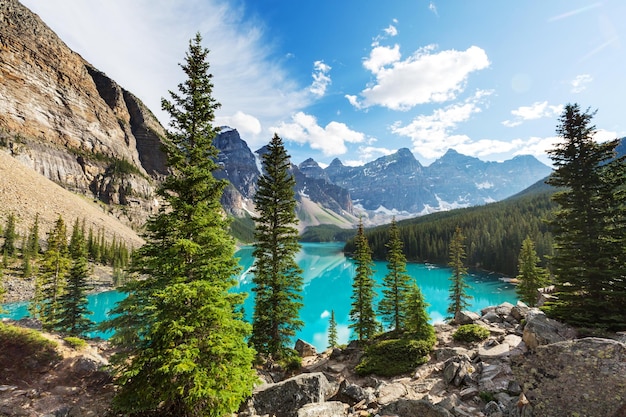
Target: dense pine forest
[[494, 232]]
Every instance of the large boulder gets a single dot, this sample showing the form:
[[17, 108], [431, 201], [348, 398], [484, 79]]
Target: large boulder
[[327, 409], [413, 408], [541, 330], [305, 349], [284, 399], [466, 317], [585, 377]]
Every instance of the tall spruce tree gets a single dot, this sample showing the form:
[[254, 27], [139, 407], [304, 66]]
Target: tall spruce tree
[[458, 289], [51, 281], [277, 280], [417, 318], [588, 226], [531, 276], [10, 236], [362, 314], [396, 283], [183, 348], [72, 317], [332, 330]]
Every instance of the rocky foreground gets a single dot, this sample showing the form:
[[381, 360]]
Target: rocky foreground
[[529, 366]]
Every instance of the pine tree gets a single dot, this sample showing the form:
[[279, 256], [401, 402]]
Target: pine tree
[[458, 289], [362, 313], [332, 331], [395, 283], [72, 315], [588, 226], [531, 277], [417, 318], [10, 236], [182, 347], [277, 280], [50, 282], [32, 245]]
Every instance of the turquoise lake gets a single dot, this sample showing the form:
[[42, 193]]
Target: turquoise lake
[[328, 285]]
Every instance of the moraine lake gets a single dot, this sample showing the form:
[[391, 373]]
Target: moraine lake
[[327, 280]]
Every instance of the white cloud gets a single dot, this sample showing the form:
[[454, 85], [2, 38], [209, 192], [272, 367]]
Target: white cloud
[[424, 77], [331, 139], [380, 56], [244, 123], [432, 135], [321, 79], [537, 110], [433, 8], [579, 84], [391, 30]]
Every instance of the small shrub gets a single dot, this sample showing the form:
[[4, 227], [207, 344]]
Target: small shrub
[[487, 396], [470, 333], [394, 357], [75, 343], [290, 361]]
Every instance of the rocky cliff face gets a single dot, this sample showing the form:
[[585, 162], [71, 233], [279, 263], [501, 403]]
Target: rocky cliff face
[[68, 120], [241, 167]]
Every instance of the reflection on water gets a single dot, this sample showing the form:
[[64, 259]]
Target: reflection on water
[[328, 285]]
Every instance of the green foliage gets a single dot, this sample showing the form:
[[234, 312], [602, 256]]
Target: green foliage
[[470, 333], [121, 168], [417, 318], [589, 226], [495, 232], [51, 281], [72, 315], [531, 276], [25, 348], [277, 280], [326, 233], [459, 299], [242, 229], [362, 313], [395, 356], [332, 330], [290, 360], [33, 247], [396, 283], [487, 396], [75, 343], [10, 237], [182, 346]]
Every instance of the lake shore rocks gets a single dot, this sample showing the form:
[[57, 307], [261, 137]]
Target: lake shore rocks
[[501, 376]]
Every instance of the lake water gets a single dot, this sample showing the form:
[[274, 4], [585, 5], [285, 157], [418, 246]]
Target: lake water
[[327, 279]]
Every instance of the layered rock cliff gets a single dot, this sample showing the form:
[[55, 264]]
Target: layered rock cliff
[[71, 122]]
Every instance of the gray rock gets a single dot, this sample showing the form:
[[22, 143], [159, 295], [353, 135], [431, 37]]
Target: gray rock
[[541, 330], [491, 317], [413, 408], [592, 370], [327, 409], [458, 370], [469, 393], [466, 317], [352, 394], [285, 398], [492, 408], [495, 377], [305, 349], [445, 353], [520, 311], [388, 393], [504, 309]]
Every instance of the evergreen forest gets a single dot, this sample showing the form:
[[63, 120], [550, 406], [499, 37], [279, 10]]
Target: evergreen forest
[[494, 233]]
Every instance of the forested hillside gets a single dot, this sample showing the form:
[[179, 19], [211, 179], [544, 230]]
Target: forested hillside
[[494, 233]]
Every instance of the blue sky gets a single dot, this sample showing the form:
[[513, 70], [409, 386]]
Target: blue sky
[[358, 79]]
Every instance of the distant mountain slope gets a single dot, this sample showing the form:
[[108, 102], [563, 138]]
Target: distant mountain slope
[[399, 183]]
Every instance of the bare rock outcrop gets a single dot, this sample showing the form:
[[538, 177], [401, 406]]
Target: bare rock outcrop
[[69, 121]]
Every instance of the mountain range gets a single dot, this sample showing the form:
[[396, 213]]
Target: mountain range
[[70, 123]]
